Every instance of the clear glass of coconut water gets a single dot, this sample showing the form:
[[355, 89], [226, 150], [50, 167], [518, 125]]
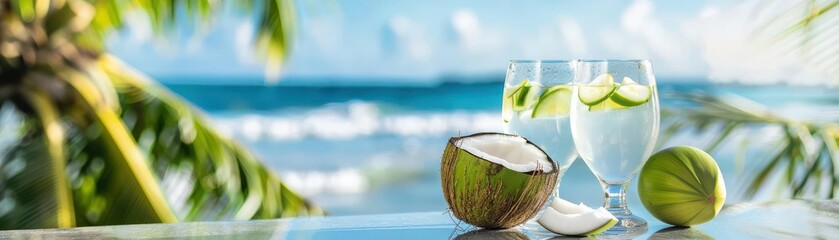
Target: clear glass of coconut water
[[536, 104], [615, 124]]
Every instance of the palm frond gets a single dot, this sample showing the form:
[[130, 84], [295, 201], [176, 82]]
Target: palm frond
[[796, 164], [809, 28], [275, 28], [176, 137], [276, 25], [54, 139], [89, 22], [29, 194], [128, 178], [35, 191], [107, 15], [123, 138]]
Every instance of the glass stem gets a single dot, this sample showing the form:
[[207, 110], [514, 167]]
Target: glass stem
[[615, 200]]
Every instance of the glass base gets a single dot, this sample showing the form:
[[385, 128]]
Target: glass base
[[628, 225]]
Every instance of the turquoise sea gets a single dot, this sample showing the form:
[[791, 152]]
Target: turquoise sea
[[369, 149]]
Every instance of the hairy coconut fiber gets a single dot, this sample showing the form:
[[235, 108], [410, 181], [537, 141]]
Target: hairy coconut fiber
[[488, 195], [484, 234]]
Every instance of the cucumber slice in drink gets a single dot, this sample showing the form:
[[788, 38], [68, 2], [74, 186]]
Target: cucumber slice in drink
[[507, 102], [556, 101], [519, 98], [606, 105], [509, 92], [598, 90], [631, 94], [523, 95]]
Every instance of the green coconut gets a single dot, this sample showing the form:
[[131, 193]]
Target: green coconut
[[494, 180], [682, 186]]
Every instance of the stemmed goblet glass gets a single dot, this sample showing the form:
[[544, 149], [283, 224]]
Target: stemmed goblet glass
[[615, 124], [536, 104]]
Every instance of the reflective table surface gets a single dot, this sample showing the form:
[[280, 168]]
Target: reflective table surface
[[771, 220]]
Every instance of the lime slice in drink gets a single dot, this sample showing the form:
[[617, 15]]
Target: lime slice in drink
[[631, 94], [598, 90], [606, 105], [554, 102]]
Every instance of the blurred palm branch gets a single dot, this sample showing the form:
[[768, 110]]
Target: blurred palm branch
[[806, 29], [804, 162], [98, 143]]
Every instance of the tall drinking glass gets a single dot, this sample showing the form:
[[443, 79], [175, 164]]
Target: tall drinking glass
[[615, 124], [537, 100]]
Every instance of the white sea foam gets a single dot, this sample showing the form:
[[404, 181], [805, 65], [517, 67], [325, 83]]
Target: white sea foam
[[344, 181], [352, 120]]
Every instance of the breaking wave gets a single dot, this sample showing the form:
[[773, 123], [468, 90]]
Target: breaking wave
[[352, 120]]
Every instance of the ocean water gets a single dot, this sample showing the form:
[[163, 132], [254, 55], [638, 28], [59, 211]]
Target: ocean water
[[370, 150]]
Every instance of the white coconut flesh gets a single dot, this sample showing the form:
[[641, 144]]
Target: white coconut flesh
[[512, 152], [563, 217]]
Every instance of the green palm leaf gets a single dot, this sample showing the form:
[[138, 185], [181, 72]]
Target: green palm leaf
[[36, 192], [30, 196], [179, 138], [276, 22], [128, 179], [807, 29], [105, 142], [804, 157]]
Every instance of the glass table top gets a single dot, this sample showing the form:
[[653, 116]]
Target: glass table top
[[770, 220]]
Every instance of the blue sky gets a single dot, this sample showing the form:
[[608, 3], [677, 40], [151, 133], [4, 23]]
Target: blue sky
[[419, 40]]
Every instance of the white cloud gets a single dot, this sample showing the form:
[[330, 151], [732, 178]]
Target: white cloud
[[735, 53], [642, 34], [573, 36], [709, 11], [472, 38], [243, 43], [640, 23], [466, 24], [138, 27], [409, 38]]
